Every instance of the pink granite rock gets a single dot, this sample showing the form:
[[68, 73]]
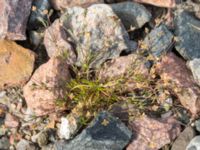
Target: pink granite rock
[[11, 121], [174, 73], [153, 134], [14, 17], [63, 4], [57, 42], [46, 86]]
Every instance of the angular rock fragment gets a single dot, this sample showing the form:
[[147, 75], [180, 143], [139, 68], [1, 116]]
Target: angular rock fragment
[[124, 65], [96, 33], [132, 14], [159, 3], [11, 121], [46, 86], [159, 40], [194, 66], [187, 31], [57, 42], [39, 14], [14, 19], [194, 144], [25, 145], [174, 73], [105, 132], [153, 133], [183, 139], [16, 64], [64, 4]]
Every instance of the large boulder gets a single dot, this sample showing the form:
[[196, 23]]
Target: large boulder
[[174, 73], [46, 86], [96, 33], [16, 64], [13, 18]]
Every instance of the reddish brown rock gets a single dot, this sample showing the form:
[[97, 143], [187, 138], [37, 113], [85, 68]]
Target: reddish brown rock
[[16, 64], [124, 65], [14, 17], [11, 121], [152, 134], [63, 4], [46, 86], [57, 42], [174, 73]]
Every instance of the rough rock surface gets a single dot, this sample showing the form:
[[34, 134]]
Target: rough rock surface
[[153, 133], [187, 31], [4, 143], [13, 18], [16, 64], [105, 132], [25, 145], [194, 66], [174, 73], [64, 4], [132, 14], [57, 42], [97, 33], [11, 121], [120, 66], [46, 86], [194, 144], [183, 139], [159, 40]]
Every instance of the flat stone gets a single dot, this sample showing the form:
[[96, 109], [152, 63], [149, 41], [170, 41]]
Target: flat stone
[[183, 139], [194, 66], [159, 3], [175, 74], [131, 14], [97, 33], [46, 86], [159, 40], [194, 144], [187, 31], [105, 132], [153, 133], [16, 64], [14, 19]]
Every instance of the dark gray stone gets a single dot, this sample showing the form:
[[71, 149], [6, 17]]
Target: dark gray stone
[[132, 14], [187, 31], [183, 139], [104, 133], [159, 40], [194, 144]]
